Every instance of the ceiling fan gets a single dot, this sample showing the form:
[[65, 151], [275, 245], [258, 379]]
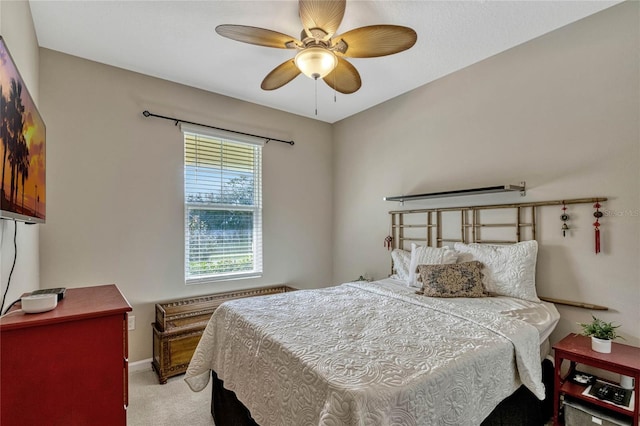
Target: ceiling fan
[[321, 53]]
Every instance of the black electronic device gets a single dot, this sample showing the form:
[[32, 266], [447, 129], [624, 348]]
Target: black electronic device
[[60, 291], [611, 393]]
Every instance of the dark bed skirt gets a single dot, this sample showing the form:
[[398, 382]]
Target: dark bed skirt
[[522, 408]]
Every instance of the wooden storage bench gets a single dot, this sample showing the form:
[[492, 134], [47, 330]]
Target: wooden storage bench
[[180, 323]]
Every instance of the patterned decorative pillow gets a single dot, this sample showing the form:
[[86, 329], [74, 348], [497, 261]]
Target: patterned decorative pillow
[[401, 260], [508, 270], [425, 255], [452, 280]]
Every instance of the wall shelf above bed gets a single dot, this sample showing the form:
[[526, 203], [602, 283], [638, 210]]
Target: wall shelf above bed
[[461, 192]]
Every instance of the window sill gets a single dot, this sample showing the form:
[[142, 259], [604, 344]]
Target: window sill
[[225, 277]]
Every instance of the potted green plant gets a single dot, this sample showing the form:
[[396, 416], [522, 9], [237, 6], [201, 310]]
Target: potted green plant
[[601, 332]]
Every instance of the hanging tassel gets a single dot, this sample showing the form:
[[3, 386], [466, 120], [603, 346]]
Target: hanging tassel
[[564, 217], [388, 241], [597, 214]]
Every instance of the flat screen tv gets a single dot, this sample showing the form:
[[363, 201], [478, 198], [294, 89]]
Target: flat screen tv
[[22, 132]]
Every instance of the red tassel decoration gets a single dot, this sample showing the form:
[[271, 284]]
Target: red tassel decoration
[[388, 241], [597, 214]]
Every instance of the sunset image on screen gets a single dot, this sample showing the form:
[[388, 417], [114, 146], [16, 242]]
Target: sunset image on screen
[[22, 133]]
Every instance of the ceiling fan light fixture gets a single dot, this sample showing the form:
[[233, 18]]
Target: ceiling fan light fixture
[[320, 53], [316, 62]]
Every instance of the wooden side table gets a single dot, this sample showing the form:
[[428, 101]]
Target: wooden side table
[[576, 349]]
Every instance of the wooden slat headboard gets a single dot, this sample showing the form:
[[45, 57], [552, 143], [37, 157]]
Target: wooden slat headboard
[[430, 227], [470, 226]]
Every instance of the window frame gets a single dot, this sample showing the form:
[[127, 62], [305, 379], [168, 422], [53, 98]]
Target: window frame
[[257, 237]]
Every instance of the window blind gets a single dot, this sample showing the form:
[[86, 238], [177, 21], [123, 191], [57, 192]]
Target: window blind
[[223, 207]]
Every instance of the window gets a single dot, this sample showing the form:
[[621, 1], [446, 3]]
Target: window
[[223, 206]]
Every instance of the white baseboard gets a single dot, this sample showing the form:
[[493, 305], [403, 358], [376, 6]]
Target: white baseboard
[[143, 365]]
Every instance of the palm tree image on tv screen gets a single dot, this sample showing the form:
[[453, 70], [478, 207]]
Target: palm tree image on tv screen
[[22, 132]]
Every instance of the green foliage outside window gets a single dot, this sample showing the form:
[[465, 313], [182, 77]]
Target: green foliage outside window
[[221, 266]]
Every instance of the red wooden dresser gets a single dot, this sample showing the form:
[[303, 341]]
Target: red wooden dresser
[[67, 366]]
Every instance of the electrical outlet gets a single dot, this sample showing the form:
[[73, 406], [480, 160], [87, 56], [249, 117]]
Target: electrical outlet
[[131, 322]]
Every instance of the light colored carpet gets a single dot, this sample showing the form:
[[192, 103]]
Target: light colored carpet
[[171, 404]]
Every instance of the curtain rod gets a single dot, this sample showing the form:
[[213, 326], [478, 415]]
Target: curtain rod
[[178, 120]]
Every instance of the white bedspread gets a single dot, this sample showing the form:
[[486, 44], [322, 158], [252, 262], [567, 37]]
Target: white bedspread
[[366, 354]]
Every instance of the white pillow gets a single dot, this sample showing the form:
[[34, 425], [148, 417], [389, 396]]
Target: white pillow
[[508, 270], [425, 255], [401, 260]]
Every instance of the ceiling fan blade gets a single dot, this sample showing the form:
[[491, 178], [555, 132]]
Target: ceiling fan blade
[[258, 36], [344, 78], [281, 75], [376, 40], [324, 14]]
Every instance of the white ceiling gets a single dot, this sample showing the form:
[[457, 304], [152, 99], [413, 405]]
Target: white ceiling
[[176, 41]]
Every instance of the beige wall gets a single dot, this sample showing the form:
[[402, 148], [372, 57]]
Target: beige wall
[[16, 27], [559, 112], [115, 206]]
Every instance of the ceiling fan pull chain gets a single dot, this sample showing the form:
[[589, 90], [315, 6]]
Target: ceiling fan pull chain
[[316, 83], [335, 96]]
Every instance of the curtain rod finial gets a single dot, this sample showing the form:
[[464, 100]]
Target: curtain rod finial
[[146, 113]]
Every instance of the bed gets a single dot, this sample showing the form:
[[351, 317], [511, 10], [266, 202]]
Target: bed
[[455, 336], [370, 354]]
